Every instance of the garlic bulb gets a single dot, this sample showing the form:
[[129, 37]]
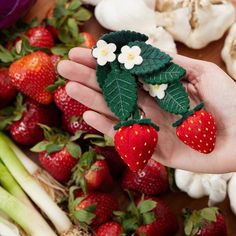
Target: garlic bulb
[[197, 185], [134, 15], [91, 2], [232, 193], [228, 53], [197, 22]]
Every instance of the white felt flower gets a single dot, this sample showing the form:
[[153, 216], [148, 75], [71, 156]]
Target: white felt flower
[[104, 52], [130, 56], [157, 90]]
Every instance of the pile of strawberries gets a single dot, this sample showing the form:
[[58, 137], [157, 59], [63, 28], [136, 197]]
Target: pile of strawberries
[[104, 195]]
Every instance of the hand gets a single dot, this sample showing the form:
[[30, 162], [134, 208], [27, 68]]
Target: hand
[[204, 82]]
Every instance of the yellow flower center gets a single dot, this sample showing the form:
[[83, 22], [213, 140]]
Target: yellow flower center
[[130, 56], [104, 52], [156, 86]]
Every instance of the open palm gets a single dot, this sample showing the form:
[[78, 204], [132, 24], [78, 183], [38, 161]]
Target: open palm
[[204, 82]]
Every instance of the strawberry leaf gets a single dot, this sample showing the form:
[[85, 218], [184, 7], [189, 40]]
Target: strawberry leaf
[[209, 213], [148, 218], [153, 59], [74, 5], [130, 224], [120, 92], [82, 15], [40, 147], [188, 228], [87, 159], [84, 216], [91, 208], [146, 206], [74, 149], [169, 74], [59, 50], [76, 136], [52, 147], [176, 99]]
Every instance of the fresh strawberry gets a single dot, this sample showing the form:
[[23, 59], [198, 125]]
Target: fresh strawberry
[[198, 131], [25, 127], [89, 40], [152, 180], [58, 153], [136, 144], [93, 209], [7, 91], [72, 124], [32, 74], [91, 173], [110, 228], [53, 30], [68, 105], [164, 222], [40, 37], [55, 59], [205, 222]]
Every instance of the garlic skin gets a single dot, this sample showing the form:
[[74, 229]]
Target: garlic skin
[[228, 52], [91, 2], [197, 185], [137, 16], [232, 193], [197, 22]]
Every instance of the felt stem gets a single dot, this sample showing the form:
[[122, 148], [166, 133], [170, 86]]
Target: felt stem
[[136, 114]]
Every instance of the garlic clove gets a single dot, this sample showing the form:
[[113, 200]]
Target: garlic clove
[[232, 193], [91, 2]]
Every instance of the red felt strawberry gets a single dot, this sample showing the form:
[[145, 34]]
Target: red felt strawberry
[[40, 36], [7, 90], [136, 144], [58, 153], [68, 105], [93, 209], [89, 40], [152, 180], [198, 131], [205, 222], [32, 74], [110, 228]]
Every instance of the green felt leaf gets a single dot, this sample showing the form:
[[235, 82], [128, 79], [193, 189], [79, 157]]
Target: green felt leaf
[[101, 73], [153, 59], [176, 99], [146, 206], [169, 74], [121, 38], [120, 92]]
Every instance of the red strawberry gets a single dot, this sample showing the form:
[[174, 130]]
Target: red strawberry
[[205, 222], [7, 91], [40, 37], [67, 104], [198, 131], [58, 153], [110, 228], [152, 180], [72, 124], [53, 30], [136, 144], [89, 40], [55, 59], [26, 129], [164, 223], [32, 74], [94, 209]]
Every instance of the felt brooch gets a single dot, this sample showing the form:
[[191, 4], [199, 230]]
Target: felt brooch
[[124, 64]]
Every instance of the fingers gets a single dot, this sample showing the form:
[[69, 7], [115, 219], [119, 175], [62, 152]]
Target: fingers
[[100, 122], [79, 73], [88, 97], [82, 56]]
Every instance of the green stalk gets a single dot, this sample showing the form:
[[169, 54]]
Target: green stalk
[[23, 215], [34, 190]]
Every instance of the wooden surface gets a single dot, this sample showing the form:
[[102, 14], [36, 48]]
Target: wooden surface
[[176, 200]]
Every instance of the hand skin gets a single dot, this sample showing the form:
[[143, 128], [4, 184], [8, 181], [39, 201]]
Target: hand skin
[[204, 81]]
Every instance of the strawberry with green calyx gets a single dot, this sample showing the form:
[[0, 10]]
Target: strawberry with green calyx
[[104, 145], [91, 173], [152, 180], [197, 129], [88, 40], [58, 153], [205, 222], [92, 209], [136, 142], [32, 74], [24, 117]]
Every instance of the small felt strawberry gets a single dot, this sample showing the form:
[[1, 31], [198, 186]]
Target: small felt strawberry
[[198, 131], [205, 222], [32, 74], [152, 180], [110, 228], [135, 144], [93, 209]]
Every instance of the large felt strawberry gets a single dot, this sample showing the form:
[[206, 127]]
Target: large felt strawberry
[[135, 144], [205, 222], [198, 131], [32, 74]]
